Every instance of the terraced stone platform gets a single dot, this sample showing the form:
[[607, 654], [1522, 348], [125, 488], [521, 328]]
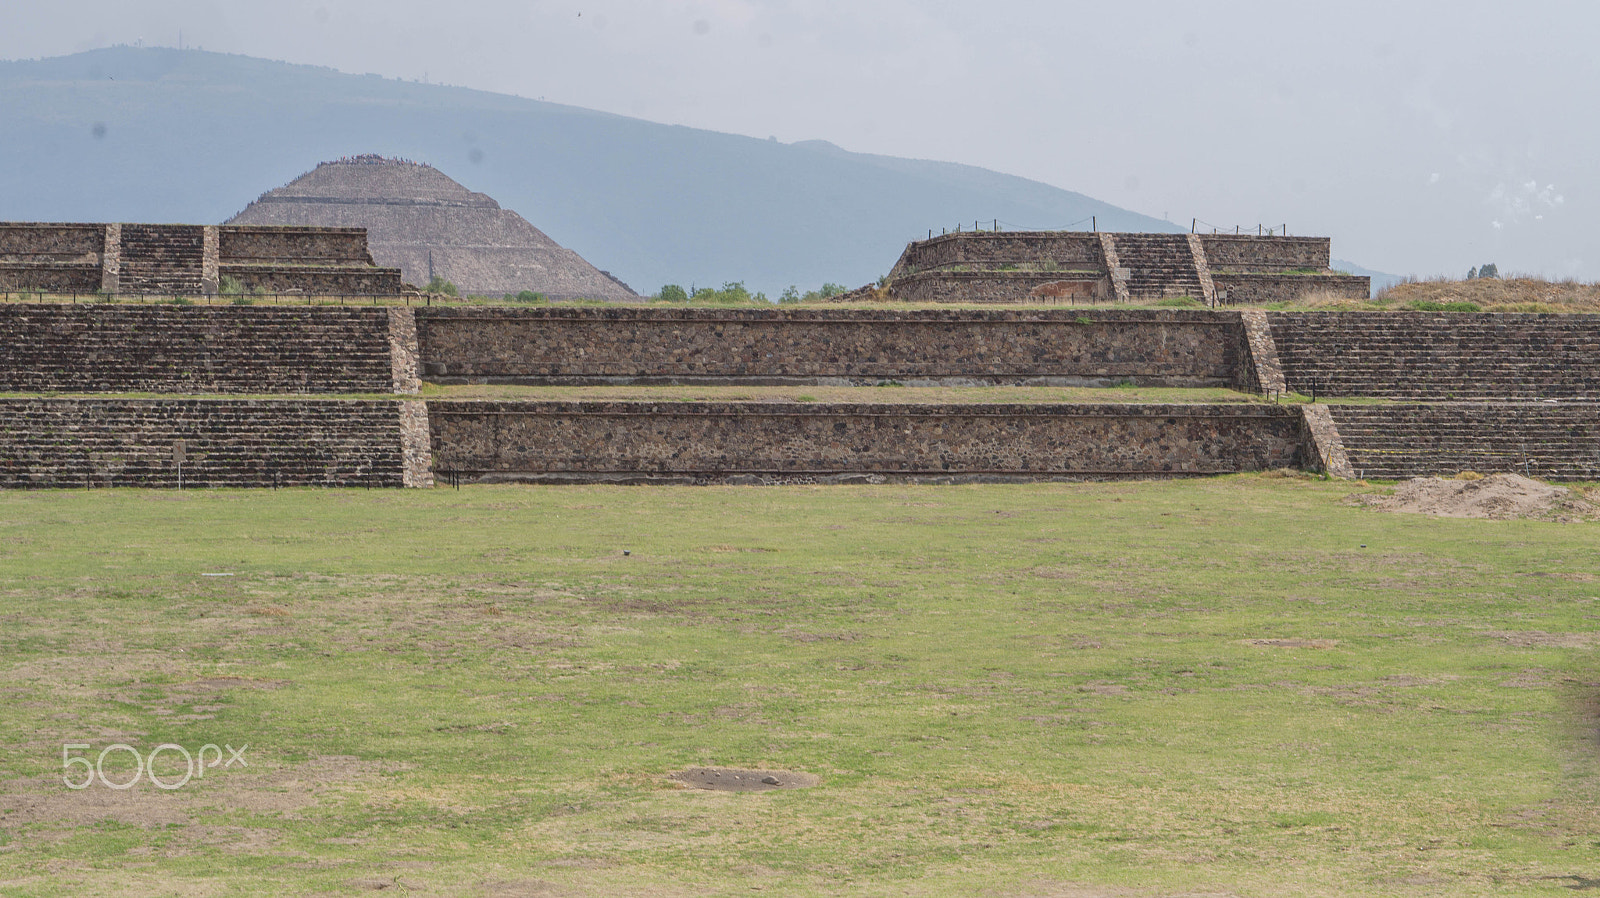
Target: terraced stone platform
[[93, 443], [1047, 267], [1440, 357], [610, 345], [1030, 424], [104, 347], [1553, 441], [814, 442]]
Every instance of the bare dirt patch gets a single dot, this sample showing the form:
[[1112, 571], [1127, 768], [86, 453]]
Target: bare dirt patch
[[737, 779], [47, 804], [1540, 639], [525, 888], [1496, 497], [1294, 643]]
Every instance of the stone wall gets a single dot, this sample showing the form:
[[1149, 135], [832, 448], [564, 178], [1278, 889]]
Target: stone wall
[[46, 241], [51, 257], [79, 443], [50, 277], [105, 347], [600, 345], [1065, 249], [1249, 252], [185, 259], [1440, 356], [416, 446], [1243, 289], [1014, 288], [244, 243], [711, 442], [404, 373], [1005, 267], [316, 281]]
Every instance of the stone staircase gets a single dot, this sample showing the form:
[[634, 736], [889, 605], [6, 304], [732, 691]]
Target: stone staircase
[[166, 259], [1429, 356], [94, 443], [194, 349], [1158, 265], [1553, 441]]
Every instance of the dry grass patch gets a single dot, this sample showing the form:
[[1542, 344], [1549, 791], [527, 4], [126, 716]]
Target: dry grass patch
[[1512, 294]]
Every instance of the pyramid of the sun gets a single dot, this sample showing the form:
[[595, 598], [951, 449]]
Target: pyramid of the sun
[[427, 225]]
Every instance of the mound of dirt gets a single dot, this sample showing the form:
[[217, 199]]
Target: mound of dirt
[[1498, 497], [734, 779]]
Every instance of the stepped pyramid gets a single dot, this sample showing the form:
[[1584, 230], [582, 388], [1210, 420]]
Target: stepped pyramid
[[425, 224]]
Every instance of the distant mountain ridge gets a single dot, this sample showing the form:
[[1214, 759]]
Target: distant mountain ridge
[[129, 134]]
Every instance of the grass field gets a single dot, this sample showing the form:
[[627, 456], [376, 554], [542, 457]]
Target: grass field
[[1236, 686]]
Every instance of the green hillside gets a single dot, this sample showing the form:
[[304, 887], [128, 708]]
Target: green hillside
[[130, 134]]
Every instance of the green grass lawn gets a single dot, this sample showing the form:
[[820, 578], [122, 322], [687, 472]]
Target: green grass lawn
[[1235, 686]]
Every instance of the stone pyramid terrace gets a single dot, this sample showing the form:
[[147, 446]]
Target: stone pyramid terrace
[[982, 400], [425, 224]]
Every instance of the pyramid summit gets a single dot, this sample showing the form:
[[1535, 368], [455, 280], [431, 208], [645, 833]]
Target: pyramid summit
[[421, 221]]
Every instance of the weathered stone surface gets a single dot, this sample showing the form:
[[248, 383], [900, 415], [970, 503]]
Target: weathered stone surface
[[416, 452], [49, 278], [1434, 356], [78, 443], [626, 440], [1066, 250], [1006, 267], [111, 259], [1248, 252], [51, 241], [1243, 288], [107, 347], [425, 224], [316, 281], [403, 362], [1551, 441], [1174, 347], [1267, 370], [166, 259], [300, 245], [1202, 268], [1004, 287], [1325, 446], [188, 260], [54, 257]]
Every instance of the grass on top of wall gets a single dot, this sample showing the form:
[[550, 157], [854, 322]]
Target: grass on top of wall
[[885, 393]]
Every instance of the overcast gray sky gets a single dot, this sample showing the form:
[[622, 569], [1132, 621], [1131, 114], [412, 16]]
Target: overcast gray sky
[[1424, 137]]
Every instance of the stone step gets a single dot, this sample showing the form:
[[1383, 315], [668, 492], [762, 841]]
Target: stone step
[[1558, 442], [158, 348]]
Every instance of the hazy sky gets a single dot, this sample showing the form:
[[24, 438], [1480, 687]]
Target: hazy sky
[[1424, 137]]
